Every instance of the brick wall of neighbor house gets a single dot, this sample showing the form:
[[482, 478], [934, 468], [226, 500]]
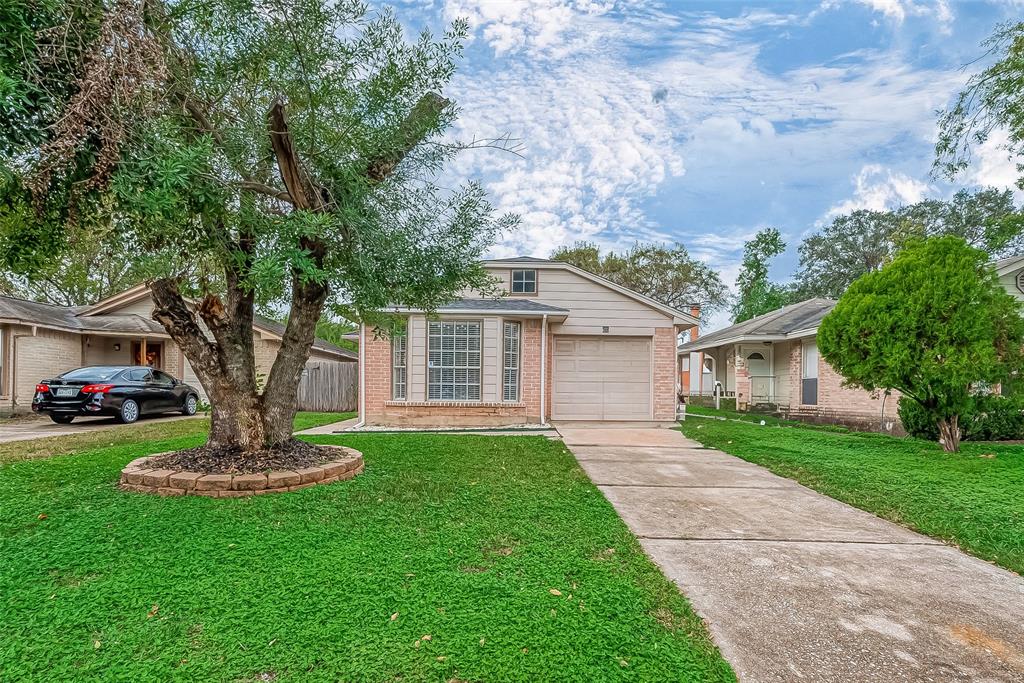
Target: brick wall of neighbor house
[[44, 355], [839, 404], [665, 373], [381, 410]]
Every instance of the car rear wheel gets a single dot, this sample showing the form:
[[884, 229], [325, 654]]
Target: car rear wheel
[[62, 419], [191, 404], [129, 411]]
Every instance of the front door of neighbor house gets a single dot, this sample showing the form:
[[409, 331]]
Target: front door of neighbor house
[[759, 370], [153, 356]]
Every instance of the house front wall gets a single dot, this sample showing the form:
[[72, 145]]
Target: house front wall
[[838, 401], [29, 355], [382, 408]]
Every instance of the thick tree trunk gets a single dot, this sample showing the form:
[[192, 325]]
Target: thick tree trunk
[[283, 382], [949, 434]]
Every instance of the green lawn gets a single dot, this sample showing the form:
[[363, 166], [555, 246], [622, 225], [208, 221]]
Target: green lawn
[[974, 499], [451, 558], [149, 429]]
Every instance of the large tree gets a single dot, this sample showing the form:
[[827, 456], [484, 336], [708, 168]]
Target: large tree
[[986, 219], [863, 241], [848, 247], [251, 152], [934, 324], [757, 293], [666, 274]]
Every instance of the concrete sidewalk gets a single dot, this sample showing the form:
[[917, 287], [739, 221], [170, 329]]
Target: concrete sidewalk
[[796, 586]]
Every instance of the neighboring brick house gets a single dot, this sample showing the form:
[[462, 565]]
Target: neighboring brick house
[[561, 344], [771, 362], [39, 341]]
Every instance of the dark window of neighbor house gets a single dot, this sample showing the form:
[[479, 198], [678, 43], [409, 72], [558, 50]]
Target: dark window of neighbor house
[[809, 374], [453, 361], [524, 281]]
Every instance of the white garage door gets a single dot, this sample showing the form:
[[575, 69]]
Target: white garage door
[[601, 378]]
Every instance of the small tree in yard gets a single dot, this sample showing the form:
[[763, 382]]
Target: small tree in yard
[[934, 324], [245, 153]]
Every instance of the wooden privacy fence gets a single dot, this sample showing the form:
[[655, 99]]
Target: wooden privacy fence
[[329, 386]]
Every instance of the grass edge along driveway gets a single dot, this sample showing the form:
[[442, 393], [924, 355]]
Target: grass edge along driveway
[[973, 499], [450, 558]]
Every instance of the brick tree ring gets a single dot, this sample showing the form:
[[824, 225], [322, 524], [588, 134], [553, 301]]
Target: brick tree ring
[[140, 478]]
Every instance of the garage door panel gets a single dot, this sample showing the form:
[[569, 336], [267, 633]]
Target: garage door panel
[[601, 379]]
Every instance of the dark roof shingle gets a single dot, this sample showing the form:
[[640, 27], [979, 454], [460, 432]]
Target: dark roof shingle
[[778, 323]]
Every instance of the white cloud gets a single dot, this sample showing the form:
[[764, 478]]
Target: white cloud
[[877, 188], [991, 164], [899, 10]]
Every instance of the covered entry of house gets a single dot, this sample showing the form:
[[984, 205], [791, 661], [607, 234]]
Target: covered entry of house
[[601, 378]]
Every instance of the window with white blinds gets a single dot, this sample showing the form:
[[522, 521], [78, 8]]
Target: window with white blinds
[[511, 354], [399, 366], [453, 361]]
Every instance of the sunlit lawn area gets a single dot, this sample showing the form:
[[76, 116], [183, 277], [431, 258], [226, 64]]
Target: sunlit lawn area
[[974, 499], [450, 558]]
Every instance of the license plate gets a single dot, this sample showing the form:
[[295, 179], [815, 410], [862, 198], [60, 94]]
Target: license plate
[[65, 391]]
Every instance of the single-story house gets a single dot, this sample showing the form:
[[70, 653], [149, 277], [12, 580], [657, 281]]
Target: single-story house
[[772, 362], [561, 344], [39, 340]]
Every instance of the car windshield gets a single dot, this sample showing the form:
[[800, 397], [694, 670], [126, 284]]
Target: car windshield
[[96, 374]]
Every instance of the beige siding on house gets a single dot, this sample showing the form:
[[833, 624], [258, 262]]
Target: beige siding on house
[[592, 306], [1009, 282], [143, 308]]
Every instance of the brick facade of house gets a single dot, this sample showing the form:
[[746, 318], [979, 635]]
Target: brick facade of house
[[838, 403], [381, 409]]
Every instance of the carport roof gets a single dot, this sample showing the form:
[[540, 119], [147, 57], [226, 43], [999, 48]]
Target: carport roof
[[796, 320]]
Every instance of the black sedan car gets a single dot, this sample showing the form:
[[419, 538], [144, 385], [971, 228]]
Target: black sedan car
[[123, 391]]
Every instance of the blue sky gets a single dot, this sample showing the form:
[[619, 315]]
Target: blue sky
[[700, 123]]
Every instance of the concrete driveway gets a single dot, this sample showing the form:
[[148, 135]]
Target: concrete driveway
[[796, 586], [25, 428]]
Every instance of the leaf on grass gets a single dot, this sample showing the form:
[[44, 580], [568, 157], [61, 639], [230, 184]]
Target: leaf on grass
[[43, 515], [96, 644], [426, 637], [152, 611], [554, 591], [394, 616]]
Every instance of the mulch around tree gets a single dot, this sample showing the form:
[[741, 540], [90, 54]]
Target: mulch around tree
[[293, 455]]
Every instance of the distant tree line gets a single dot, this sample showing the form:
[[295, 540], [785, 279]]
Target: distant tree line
[[864, 241]]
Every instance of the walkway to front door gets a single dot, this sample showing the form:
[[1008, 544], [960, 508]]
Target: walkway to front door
[[796, 586]]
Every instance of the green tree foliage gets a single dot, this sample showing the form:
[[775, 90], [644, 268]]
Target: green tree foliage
[[933, 324], [243, 154], [990, 102], [863, 241], [668, 275], [848, 247], [985, 219], [757, 293]]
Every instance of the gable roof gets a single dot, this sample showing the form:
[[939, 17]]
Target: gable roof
[[789, 322], [1008, 265], [88, 319], [678, 316]]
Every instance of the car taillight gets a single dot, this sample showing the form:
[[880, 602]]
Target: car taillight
[[42, 388], [97, 388]]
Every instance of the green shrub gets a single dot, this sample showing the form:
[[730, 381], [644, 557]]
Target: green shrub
[[987, 418]]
